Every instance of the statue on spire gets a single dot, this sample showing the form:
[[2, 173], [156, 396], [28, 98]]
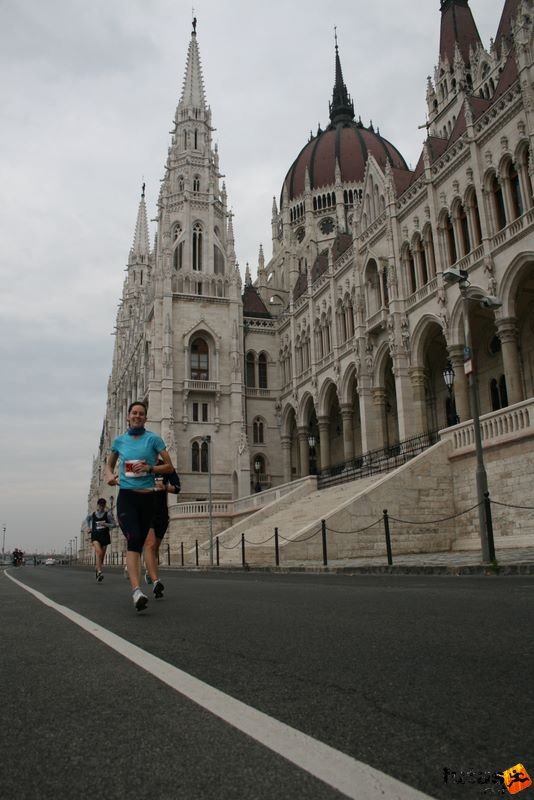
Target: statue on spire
[[194, 25]]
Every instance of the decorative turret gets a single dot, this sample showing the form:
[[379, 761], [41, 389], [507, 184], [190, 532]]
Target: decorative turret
[[458, 30], [140, 249], [139, 256], [459, 47]]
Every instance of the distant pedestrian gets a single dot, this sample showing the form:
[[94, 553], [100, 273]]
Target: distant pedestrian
[[98, 526], [165, 485], [138, 451]]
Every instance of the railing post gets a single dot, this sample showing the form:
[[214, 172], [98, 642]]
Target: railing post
[[388, 537], [182, 552], [196, 552], [217, 549], [323, 535], [243, 562], [489, 527], [276, 550]]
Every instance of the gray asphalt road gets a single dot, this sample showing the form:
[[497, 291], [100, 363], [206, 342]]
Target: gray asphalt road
[[409, 674]]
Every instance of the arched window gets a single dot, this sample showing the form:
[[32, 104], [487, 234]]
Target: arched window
[[204, 457], [250, 375], [526, 183], [515, 192], [197, 247], [464, 230], [196, 141], [257, 432], [450, 241], [262, 371], [473, 215], [195, 457], [199, 360], [499, 213], [196, 184], [178, 256], [199, 457]]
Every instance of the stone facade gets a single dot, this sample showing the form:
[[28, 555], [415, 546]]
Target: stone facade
[[349, 325]]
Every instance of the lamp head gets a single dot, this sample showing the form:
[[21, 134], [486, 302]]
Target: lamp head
[[490, 301], [448, 376], [453, 275]]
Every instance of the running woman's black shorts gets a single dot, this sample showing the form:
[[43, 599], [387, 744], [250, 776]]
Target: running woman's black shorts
[[135, 513]]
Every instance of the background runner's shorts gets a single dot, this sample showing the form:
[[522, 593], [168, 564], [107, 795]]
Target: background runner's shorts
[[102, 537]]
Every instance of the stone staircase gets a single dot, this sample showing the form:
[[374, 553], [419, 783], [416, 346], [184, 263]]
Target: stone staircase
[[298, 521]]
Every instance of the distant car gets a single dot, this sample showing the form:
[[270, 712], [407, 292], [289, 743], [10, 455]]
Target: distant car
[[49, 562]]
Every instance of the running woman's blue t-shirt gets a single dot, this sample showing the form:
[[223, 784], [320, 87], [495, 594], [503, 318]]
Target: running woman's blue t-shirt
[[131, 448]]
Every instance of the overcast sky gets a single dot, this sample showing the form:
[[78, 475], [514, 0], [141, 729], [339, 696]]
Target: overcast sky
[[88, 98]]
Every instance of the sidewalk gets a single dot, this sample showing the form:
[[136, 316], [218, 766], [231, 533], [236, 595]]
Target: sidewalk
[[512, 561]]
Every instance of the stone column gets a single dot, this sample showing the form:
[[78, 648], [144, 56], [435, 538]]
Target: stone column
[[324, 439], [286, 457], [304, 451], [348, 431], [461, 387], [371, 429], [507, 330], [379, 400], [418, 381]]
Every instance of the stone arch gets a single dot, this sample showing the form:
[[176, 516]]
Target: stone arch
[[305, 409], [419, 337], [520, 267], [288, 418]]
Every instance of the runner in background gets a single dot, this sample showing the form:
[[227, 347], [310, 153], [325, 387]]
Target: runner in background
[[165, 484], [98, 526]]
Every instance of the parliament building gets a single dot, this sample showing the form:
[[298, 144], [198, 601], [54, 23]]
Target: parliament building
[[339, 346]]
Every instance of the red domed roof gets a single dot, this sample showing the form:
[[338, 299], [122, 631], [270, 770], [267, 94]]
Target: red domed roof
[[345, 142], [349, 144]]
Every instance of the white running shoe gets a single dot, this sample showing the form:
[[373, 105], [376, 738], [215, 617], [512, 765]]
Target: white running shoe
[[140, 600]]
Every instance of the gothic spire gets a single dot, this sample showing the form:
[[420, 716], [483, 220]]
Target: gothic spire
[[341, 107], [193, 94], [457, 28], [141, 243]]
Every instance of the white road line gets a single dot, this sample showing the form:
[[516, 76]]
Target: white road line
[[353, 778]]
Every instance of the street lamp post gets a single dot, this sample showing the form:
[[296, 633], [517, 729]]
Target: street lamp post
[[448, 377], [207, 440], [486, 530], [257, 467], [76, 548], [3, 541], [311, 444]]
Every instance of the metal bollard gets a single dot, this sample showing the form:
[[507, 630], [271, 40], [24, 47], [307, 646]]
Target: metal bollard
[[323, 535], [196, 552], [182, 552], [388, 537], [489, 527], [243, 562], [276, 550], [217, 550], [169, 554]]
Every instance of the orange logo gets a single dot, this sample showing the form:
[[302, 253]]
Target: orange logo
[[516, 779]]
